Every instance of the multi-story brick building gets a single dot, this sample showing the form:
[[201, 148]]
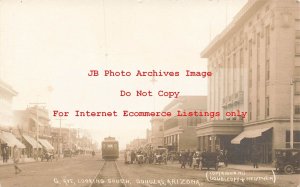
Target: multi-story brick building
[[253, 62], [66, 137], [180, 131], [34, 124]]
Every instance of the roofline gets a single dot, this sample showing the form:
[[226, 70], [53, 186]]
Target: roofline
[[7, 88], [238, 20]]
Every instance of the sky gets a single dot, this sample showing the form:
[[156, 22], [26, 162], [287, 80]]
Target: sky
[[48, 47]]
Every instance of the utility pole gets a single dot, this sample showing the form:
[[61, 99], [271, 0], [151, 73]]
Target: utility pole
[[37, 121], [60, 138], [292, 115]]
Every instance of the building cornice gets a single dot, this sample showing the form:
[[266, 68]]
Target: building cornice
[[245, 13], [7, 88]]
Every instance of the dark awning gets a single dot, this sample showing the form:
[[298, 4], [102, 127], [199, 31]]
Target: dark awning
[[249, 134]]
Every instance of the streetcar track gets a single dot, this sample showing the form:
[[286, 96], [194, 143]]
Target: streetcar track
[[108, 172]]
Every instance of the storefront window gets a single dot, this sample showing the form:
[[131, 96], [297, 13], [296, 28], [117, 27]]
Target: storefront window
[[296, 139]]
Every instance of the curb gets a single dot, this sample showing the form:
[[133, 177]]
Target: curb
[[253, 170]]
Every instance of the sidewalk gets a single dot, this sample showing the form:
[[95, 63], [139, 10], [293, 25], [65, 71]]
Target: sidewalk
[[22, 161], [250, 167], [245, 167]]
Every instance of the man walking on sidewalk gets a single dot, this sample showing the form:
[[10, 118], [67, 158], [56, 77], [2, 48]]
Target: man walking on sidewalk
[[16, 158], [255, 156]]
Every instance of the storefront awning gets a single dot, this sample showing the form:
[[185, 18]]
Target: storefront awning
[[249, 134], [10, 139], [32, 142], [46, 144]]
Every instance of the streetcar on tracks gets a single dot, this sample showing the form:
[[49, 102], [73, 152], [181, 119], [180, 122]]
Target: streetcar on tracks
[[110, 148]]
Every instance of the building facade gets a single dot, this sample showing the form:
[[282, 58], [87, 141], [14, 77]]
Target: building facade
[[179, 132], [253, 62], [33, 125], [6, 113], [63, 139], [157, 132], [7, 126]]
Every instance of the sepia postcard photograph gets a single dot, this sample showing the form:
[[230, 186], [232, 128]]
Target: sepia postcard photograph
[[149, 93]]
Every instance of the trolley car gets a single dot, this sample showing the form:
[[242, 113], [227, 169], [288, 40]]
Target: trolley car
[[110, 148]]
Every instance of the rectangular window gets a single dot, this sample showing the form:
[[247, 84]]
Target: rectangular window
[[250, 111], [267, 106], [234, 73], [258, 58], [258, 75], [228, 77], [250, 63], [267, 70], [258, 109], [250, 52], [258, 47], [297, 88], [296, 138], [241, 69], [297, 109], [250, 78], [268, 36], [297, 71]]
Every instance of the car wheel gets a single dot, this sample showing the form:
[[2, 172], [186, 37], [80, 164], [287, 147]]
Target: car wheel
[[288, 169]]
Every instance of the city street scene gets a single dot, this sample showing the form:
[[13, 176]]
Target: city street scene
[[149, 93]]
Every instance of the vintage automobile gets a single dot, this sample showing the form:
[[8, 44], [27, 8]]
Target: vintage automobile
[[173, 156], [140, 158], [160, 155], [287, 160], [209, 160], [46, 155], [68, 153]]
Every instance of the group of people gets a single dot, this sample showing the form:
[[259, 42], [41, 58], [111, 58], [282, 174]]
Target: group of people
[[16, 155], [194, 158], [145, 156]]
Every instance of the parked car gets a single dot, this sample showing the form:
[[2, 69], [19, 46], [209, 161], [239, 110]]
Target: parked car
[[210, 160], [173, 156], [160, 155], [287, 160], [46, 155], [68, 153]]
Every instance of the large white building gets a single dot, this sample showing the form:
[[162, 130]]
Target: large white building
[[253, 62], [6, 113]]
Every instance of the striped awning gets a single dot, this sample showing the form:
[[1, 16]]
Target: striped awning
[[11, 140], [32, 141], [46, 144]]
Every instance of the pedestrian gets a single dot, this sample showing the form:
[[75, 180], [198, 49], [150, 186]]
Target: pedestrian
[[4, 154], [255, 156], [190, 158], [226, 157], [183, 159], [7, 153], [16, 158], [132, 157]]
